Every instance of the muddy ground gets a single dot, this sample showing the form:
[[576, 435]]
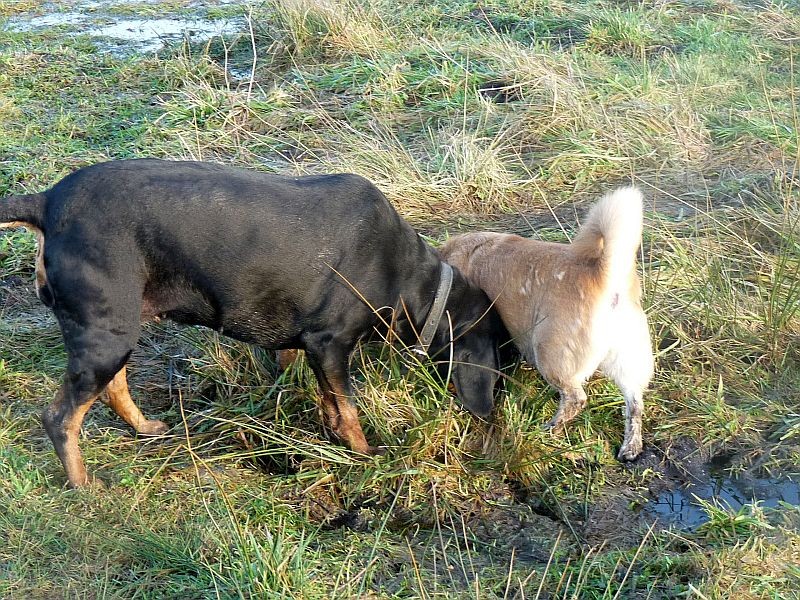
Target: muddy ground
[[113, 30]]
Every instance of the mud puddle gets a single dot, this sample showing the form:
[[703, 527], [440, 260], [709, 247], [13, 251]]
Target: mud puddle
[[689, 480], [128, 34], [682, 507]]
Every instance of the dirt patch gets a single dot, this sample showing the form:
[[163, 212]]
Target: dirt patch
[[517, 529]]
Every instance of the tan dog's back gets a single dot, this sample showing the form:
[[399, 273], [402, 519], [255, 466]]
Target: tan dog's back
[[540, 292]]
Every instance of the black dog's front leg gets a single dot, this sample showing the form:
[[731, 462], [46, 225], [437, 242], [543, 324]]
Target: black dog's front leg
[[329, 364]]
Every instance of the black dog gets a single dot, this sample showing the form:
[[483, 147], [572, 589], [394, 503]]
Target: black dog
[[313, 262]]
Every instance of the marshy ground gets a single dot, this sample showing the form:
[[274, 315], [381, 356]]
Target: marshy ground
[[503, 114]]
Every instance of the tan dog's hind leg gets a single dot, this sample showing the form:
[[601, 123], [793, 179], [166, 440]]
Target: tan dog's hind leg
[[118, 398], [630, 365], [632, 444], [573, 399]]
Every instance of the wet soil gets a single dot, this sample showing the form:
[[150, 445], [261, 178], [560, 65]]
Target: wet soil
[[688, 478], [684, 478], [122, 34]]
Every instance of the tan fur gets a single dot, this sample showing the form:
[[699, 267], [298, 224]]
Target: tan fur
[[68, 450], [118, 398], [41, 275], [572, 308]]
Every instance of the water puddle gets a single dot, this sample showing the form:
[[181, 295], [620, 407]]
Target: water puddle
[[126, 35], [680, 507]]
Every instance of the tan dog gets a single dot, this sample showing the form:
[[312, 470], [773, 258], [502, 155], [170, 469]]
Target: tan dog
[[572, 308]]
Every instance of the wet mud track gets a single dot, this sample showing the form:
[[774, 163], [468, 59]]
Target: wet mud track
[[141, 30]]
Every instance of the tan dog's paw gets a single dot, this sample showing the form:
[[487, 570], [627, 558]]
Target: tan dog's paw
[[630, 449], [554, 425], [152, 427]]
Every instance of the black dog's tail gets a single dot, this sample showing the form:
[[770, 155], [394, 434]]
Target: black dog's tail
[[26, 209]]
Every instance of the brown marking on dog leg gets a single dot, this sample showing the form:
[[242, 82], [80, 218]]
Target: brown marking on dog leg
[[334, 383], [573, 399], [632, 443], [343, 421], [349, 428], [345, 425], [328, 411], [341, 417], [118, 398], [62, 421], [41, 275], [286, 358]]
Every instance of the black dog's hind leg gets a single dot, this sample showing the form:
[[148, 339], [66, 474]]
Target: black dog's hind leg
[[94, 357], [118, 398], [62, 421], [329, 363]]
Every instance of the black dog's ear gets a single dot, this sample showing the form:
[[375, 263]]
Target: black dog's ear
[[475, 378]]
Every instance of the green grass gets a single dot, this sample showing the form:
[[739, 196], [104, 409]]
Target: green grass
[[507, 115]]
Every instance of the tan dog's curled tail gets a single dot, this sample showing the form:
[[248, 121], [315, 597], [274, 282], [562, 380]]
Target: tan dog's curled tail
[[611, 233]]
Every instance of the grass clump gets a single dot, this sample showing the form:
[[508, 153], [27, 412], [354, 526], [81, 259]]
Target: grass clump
[[325, 29]]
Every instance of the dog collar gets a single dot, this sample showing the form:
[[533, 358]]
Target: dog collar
[[436, 311]]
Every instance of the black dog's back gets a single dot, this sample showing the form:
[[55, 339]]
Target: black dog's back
[[256, 255]]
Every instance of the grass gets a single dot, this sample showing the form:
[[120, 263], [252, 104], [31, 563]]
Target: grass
[[506, 115]]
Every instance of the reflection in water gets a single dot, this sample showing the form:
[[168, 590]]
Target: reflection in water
[[680, 507]]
